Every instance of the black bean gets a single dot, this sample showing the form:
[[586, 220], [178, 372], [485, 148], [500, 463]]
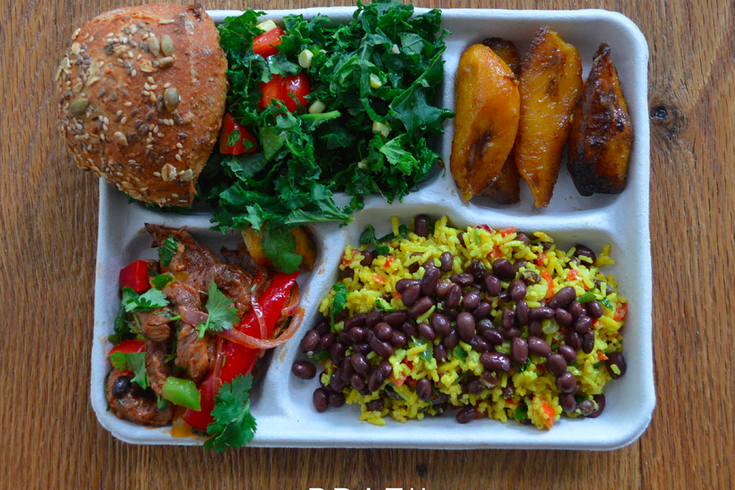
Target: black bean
[[563, 317], [517, 289], [509, 391], [570, 355], [360, 363], [477, 269], [493, 336], [489, 380], [310, 341], [522, 313], [594, 308], [583, 324], [538, 346], [566, 382], [122, 385], [402, 284], [586, 407], [337, 352], [381, 348], [466, 415], [588, 342], [447, 261], [323, 328], [344, 338], [356, 334], [557, 364], [347, 368], [496, 361], [463, 279], [503, 269], [430, 280], [454, 296], [369, 334], [492, 284], [608, 290], [423, 389], [355, 321], [397, 339], [512, 332], [327, 340], [414, 267], [336, 400], [568, 403], [440, 353], [482, 310], [421, 225], [441, 324], [357, 382], [321, 400], [480, 344], [616, 359], [519, 350], [504, 296], [523, 238], [452, 313], [451, 340], [475, 387], [573, 340], [600, 400], [375, 405], [422, 306], [372, 318], [535, 328], [336, 383], [507, 318], [530, 277], [461, 238], [471, 299], [384, 370], [374, 382], [563, 298], [341, 316], [576, 309], [465, 326], [409, 329], [541, 313], [518, 265], [347, 273], [584, 251], [362, 348], [443, 287], [411, 294], [367, 258], [483, 325], [383, 331], [426, 331]]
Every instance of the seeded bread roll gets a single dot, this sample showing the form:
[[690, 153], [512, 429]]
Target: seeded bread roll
[[142, 98]]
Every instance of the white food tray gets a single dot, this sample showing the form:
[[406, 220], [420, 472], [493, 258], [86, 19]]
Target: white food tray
[[282, 403]]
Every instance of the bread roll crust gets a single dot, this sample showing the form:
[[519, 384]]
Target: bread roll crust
[[142, 96]]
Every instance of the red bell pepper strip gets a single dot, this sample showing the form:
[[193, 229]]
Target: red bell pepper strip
[[266, 44], [128, 347], [239, 359], [135, 276], [229, 125]]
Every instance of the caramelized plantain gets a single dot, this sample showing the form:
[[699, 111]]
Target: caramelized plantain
[[485, 121], [505, 189], [551, 79], [602, 132]]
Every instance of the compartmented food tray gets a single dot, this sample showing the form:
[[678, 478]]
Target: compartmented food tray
[[282, 403]]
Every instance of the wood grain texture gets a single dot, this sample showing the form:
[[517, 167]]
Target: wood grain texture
[[50, 437]]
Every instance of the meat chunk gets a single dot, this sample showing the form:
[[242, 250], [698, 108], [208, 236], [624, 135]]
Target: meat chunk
[[136, 404], [180, 294], [190, 256], [194, 354], [155, 366], [154, 324], [231, 280]]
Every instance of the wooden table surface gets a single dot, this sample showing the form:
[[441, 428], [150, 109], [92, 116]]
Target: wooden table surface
[[48, 227]]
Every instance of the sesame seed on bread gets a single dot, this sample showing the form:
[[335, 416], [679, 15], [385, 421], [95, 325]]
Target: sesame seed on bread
[[142, 96]]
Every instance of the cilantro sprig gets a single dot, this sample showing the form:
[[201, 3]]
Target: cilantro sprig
[[234, 425], [135, 362], [167, 250], [338, 302], [221, 315], [150, 300]]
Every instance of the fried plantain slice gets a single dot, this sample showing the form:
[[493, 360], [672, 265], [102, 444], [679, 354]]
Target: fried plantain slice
[[551, 80], [506, 189], [485, 121], [602, 131]]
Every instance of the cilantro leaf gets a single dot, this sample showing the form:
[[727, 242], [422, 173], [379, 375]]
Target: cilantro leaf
[[161, 281], [606, 302], [150, 300], [368, 236], [167, 250], [460, 352], [234, 425], [135, 362], [382, 305], [521, 411], [220, 314], [123, 326], [280, 247], [339, 301]]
